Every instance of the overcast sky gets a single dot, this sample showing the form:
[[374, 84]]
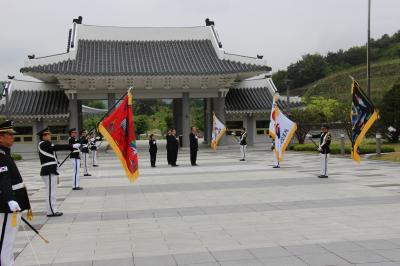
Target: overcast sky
[[281, 30]]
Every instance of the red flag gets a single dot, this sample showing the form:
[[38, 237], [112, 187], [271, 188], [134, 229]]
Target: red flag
[[119, 130]]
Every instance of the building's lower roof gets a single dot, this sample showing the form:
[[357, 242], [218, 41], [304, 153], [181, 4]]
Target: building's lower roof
[[37, 104], [146, 58], [252, 100], [254, 96]]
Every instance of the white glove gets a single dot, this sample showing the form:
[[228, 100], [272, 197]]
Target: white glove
[[76, 145], [14, 206], [319, 149], [308, 136]]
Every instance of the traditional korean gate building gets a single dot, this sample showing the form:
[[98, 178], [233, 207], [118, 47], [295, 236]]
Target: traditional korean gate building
[[178, 63]]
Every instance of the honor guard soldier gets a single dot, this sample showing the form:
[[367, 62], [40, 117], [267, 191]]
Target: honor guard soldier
[[48, 172], [275, 154], [13, 196], [75, 158], [194, 146], [85, 151], [324, 148], [174, 148], [243, 143], [153, 150], [93, 148]]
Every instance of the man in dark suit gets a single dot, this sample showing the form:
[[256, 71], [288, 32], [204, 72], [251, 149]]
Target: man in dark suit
[[168, 139], [174, 147], [152, 150], [194, 146]]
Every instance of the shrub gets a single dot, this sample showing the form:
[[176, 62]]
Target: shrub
[[335, 148], [16, 157]]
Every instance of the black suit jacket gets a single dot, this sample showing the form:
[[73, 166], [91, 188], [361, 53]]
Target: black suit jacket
[[194, 142]]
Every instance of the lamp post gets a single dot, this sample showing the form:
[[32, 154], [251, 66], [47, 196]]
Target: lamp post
[[368, 51]]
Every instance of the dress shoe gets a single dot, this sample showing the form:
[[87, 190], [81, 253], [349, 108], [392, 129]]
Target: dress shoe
[[77, 188], [95, 165], [87, 175], [323, 176], [56, 214], [276, 166]]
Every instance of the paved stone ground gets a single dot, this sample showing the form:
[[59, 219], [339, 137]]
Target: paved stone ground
[[224, 212]]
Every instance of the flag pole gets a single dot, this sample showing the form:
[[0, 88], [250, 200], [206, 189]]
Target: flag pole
[[34, 230], [104, 116]]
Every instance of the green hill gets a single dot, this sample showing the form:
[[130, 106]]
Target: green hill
[[384, 75]]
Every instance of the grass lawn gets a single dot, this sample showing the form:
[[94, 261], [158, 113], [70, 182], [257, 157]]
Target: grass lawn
[[367, 146], [393, 157]]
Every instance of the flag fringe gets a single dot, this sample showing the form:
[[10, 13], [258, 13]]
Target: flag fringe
[[131, 176], [354, 153], [220, 135], [288, 139]]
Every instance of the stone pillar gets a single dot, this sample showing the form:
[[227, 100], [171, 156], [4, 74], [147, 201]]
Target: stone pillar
[[177, 109], [251, 129], [219, 109], [73, 112], [207, 120], [185, 116], [110, 100], [80, 116]]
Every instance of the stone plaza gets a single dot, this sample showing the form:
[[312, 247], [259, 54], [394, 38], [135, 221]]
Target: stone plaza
[[223, 212]]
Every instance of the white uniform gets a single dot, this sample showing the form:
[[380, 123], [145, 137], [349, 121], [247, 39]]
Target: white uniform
[[8, 236]]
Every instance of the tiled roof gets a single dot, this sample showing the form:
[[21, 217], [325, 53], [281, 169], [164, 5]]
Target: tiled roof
[[33, 103], [252, 100], [179, 57]]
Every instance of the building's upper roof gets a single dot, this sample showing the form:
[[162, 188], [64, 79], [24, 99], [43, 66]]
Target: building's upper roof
[[122, 51], [146, 58], [254, 96], [37, 104]]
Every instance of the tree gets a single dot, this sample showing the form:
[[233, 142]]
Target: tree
[[141, 124], [310, 68], [320, 110], [96, 104], [279, 79], [390, 112], [304, 118], [325, 108], [91, 122], [197, 118]]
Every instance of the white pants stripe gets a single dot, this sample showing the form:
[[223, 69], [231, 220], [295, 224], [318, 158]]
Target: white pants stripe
[[8, 235], [51, 187], [324, 164], [85, 160], [243, 151], [94, 159], [75, 172]]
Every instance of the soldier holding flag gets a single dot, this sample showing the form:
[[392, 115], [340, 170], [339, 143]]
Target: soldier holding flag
[[243, 143], [324, 148]]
